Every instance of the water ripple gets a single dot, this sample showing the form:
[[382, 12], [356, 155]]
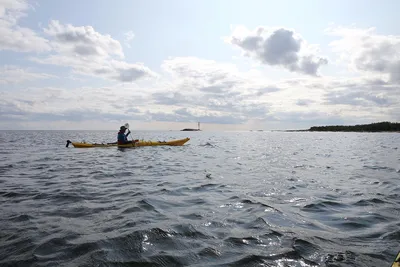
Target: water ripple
[[224, 199]]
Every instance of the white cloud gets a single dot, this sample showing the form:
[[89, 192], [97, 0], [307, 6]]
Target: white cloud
[[221, 89], [83, 49], [304, 102], [88, 52], [194, 89], [84, 103], [82, 41], [112, 69], [211, 92], [129, 35], [207, 92], [367, 51], [14, 74], [278, 47], [14, 37]]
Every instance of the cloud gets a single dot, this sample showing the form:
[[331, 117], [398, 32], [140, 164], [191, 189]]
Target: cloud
[[357, 98], [278, 47], [14, 37], [362, 92], [191, 89], [85, 50], [14, 74], [85, 103], [206, 91], [194, 115], [304, 102], [88, 52], [367, 51], [216, 87], [129, 35], [82, 41], [309, 116]]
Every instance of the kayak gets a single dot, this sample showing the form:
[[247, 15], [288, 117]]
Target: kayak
[[396, 262], [178, 142]]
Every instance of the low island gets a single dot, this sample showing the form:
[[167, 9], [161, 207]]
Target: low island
[[384, 126], [192, 129]]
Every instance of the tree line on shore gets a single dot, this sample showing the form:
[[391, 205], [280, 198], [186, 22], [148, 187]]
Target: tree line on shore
[[384, 126]]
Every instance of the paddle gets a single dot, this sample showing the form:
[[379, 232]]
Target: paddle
[[127, 127], [68, 142]]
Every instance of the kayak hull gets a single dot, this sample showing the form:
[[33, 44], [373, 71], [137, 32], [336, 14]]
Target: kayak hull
[[140, 143]]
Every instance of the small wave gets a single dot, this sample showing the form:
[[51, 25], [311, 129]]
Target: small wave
[[17, 251], [20, 218], [235, 241], [188, 230], [145, 205], [322, 206], [247, 201], [258, 223], [272, 234], [352, 225], [369, 202], [347, 257], [305, 248], [206, 186], [131, 210], [395, 236], [208, 144], [303, 166], [5, 168], [210, 252], [375, 167], [281, 259], [12, 194], [192, 216]]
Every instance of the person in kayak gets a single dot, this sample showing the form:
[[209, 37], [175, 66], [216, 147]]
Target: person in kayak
[[122, 137]]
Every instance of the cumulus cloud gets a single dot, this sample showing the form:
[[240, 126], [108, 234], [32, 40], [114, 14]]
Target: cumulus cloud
[[82, 48], [82, 41], [368, 51], [89, 52], [278, 47], [15, 37]]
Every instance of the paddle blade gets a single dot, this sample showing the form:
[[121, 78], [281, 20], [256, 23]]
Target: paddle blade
[[126, 125]]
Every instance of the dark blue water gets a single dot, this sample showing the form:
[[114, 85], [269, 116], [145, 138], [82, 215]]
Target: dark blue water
[[223, 199]]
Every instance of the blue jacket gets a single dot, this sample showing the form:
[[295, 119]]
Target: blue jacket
[[122, 138]]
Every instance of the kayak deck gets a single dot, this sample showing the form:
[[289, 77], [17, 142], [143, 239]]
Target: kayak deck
[[140, 143]]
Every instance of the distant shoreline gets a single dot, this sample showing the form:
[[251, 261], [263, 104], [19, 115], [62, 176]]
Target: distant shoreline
[[386, 127], [192, 130]]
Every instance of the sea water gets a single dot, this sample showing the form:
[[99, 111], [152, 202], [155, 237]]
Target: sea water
[[222, 199]]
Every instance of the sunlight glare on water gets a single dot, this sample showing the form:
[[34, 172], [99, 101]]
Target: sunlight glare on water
[[222, 199]]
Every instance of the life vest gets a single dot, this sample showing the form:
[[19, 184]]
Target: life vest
[[122, 138]]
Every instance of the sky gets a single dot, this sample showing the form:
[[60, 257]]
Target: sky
[[166, 65]]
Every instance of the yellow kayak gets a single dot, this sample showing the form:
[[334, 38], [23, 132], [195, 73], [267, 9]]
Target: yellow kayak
[[179, 142], [396, 262]]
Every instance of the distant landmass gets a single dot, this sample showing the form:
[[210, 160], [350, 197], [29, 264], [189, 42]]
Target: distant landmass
[[384, 126], [192, 129]]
